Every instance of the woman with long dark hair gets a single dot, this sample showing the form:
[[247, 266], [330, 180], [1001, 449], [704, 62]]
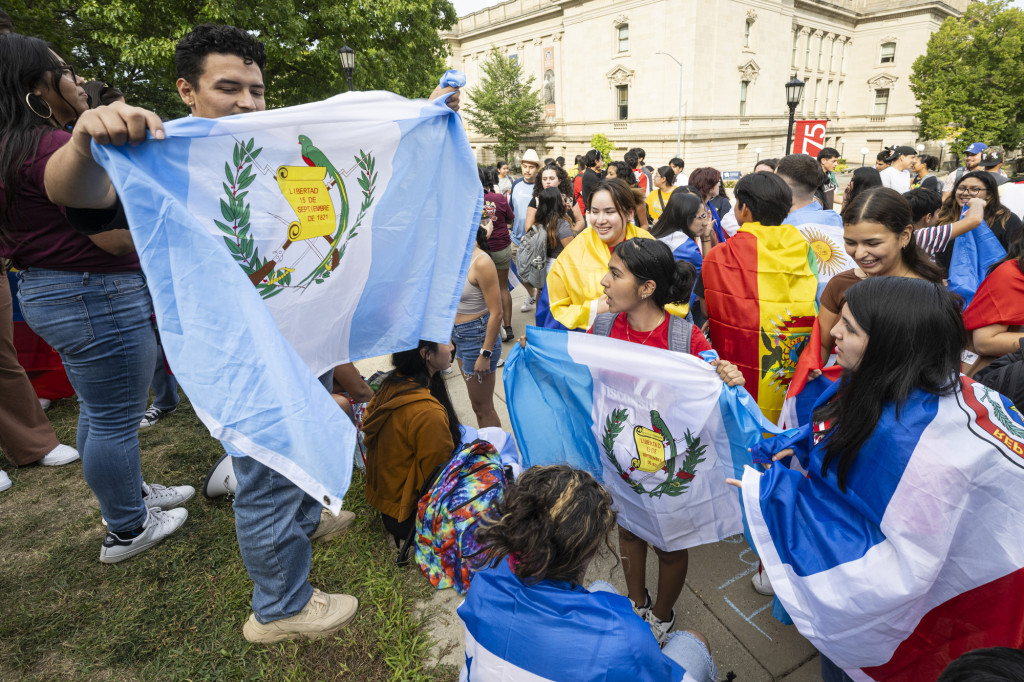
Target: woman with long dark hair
[[555, 176], [863, 179], [552, 218], [409, 428], [528, 612], [864, 427], [878, 232], [84, 295], [642, 279]]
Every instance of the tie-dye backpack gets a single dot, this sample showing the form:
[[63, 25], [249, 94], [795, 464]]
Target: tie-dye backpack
[[470, 484]]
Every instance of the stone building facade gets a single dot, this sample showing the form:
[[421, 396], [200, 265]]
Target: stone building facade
[[618, 67]]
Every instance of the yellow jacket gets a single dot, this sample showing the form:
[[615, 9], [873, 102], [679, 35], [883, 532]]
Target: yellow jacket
[[574, 281]]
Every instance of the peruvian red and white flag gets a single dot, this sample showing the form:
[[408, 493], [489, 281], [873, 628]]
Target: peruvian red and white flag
[[809, 137], [921, 559]]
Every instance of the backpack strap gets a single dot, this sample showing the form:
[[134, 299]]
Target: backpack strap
[[680, 332], [603, 324], [661, 200]]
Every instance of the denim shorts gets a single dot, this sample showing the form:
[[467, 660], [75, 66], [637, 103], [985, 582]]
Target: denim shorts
[[469, 339]]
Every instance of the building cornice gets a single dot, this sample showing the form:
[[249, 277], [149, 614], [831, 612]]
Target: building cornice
[[844, 10]]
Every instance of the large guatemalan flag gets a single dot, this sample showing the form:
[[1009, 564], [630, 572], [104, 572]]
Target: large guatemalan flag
[[281, 243], [922, 558], [658, 428]]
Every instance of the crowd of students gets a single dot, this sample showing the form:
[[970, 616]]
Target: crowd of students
[[659, 258]]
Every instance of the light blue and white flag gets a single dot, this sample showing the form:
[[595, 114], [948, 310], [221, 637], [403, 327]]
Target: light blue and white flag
[[658, 428], [279, 244]]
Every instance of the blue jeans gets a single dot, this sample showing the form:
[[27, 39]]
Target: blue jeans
[[469, 338], [830, 672], [273, 521], [101, 324], [165, 386], [681, 647]]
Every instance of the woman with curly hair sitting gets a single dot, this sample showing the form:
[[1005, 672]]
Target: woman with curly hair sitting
[[528, 612]]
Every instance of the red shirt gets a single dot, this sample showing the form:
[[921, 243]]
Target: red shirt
[[41, 237], [656, 338]]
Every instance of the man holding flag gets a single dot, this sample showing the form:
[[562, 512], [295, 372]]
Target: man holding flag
[[280, 457], [760, 289]]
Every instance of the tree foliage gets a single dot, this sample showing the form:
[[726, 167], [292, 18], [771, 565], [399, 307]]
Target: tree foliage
[[130, 43], [970, 78], [504, 106], [601, 143]]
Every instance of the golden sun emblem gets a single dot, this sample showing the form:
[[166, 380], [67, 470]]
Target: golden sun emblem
[[830, 256]]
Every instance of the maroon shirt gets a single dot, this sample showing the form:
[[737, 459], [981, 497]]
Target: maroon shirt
[[501, 215], [40, 236]]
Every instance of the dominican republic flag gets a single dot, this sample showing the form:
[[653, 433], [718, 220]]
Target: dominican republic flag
[[553, 631], [922, 558], [973, 254], [279, 244], [658, 428]]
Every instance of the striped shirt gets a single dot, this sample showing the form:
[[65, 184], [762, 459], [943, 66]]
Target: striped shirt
[[933, 239]]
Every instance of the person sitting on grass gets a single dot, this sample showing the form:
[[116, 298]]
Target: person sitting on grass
[[409, 428], [527, 612]]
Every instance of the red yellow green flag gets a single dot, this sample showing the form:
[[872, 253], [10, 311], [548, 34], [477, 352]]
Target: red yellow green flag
[[761, 289]]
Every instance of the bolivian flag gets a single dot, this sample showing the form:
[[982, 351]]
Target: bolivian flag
[[760, 287]]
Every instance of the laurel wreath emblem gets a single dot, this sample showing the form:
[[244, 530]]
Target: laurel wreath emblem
[[236, 211], [677, 482]]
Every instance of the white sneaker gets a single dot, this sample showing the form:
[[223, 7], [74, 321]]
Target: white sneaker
[[761, 583], [661, 628], [59, 456], [165, 497], [527, 304], [5, 481], [44, 403], [158, 525], [642, 611]]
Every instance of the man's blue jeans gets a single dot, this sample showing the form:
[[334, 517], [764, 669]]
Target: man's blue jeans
[[273, 521], [101, 324]]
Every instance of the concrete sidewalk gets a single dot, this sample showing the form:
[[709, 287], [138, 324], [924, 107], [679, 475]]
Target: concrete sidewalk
[[718, 600]]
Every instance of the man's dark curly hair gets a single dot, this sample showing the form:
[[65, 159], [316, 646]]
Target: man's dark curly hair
[[191, 51]]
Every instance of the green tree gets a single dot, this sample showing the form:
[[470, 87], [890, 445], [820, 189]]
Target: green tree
[[504, 106], [130, 43], [601, 143], [970, 78]]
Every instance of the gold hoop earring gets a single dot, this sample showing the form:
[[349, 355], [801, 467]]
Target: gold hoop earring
[[49, 109]]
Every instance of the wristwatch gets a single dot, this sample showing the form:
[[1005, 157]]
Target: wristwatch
[[486, 353]]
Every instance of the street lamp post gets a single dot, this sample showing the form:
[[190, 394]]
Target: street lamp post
[[679, 121], [794, 91], [758, 150], [348, 62], [942, 148], [842, 147], [863, 155]]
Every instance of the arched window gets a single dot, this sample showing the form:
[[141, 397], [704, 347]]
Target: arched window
[[888, 53]]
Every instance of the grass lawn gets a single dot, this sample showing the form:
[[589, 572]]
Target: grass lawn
[[175, 612]]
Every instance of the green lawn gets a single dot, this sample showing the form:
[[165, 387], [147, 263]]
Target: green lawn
[[176, 611]]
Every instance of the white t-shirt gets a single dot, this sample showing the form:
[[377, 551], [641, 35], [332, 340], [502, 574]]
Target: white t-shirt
[[682, 180], [896, 179]]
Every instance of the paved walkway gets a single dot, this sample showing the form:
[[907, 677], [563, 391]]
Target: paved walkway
[[718, 600]]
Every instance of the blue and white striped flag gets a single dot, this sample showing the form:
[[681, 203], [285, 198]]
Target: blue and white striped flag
[[279, 244], [658, 428]]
